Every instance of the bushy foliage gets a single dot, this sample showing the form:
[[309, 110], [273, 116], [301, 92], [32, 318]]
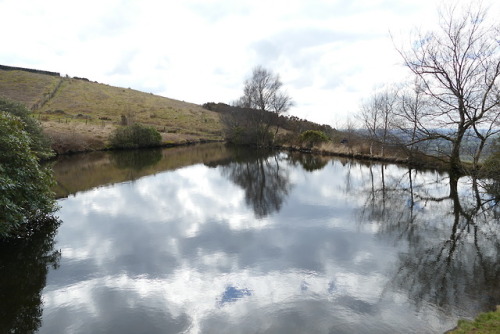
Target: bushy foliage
[[310, 138], [491, 166], [244, 135], [135, 136], [39, 143], [25, 187], [245, 126], [490, 171], [252, 126]]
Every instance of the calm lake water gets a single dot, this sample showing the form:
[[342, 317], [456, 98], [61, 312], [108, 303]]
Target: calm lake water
[[209, 239]]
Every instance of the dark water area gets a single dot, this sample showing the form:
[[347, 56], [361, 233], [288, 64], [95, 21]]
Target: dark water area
[[212, 239]]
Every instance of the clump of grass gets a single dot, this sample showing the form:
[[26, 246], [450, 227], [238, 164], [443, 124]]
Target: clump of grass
[[485, 323]]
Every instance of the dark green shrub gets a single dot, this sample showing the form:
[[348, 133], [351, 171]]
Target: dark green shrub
[[25, 188], [254, 135], [135, 136], [40, 144], [490, 170], [491, 167], [310, 138]]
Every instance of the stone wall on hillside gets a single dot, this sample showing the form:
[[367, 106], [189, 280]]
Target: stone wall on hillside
[[12, 68]]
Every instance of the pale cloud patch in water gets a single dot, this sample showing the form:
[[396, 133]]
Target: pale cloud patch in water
[[209, 264], [199, 295]]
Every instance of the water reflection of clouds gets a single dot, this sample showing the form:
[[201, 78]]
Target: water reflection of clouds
[[233, 294], [327, 199], [200, 297], [185, 243], [195, 198]]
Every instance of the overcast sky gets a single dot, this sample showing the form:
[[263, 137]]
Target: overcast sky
[[330, 54]]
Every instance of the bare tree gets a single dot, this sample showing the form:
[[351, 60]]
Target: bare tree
[[485, 129], [263, 91], [412, 106], [458, 67], [378, 115]]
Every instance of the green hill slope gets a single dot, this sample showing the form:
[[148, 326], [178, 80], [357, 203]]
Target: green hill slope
[[80, 115], [25, 87]]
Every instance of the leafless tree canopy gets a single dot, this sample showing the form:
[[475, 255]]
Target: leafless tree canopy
[[378, 116], [458, 68], [263, 91]]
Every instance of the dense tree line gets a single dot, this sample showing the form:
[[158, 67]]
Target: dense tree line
[[258, 110], [246, 125]]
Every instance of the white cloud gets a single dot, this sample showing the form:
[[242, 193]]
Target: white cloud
[[330, 54]]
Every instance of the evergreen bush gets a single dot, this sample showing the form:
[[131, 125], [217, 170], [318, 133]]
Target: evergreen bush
[[26, 195], [135, 136], [39, 143], [310, 138]]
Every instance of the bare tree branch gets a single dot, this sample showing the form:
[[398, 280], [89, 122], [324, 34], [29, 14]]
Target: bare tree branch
[[458, 68]]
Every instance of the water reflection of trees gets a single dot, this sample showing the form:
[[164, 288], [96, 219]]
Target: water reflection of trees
[[452, 231], [309, 162], [136, 160], [24, 265], [83, 172], [264, 178]]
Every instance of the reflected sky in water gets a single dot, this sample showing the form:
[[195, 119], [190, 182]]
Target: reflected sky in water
[[204, 250]]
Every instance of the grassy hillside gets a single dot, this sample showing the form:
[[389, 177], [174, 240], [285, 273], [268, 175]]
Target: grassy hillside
[[80, 115], [28, 88]]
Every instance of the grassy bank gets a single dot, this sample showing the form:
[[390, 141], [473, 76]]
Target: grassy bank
[[80, 115], [485, 323], [359, 149]]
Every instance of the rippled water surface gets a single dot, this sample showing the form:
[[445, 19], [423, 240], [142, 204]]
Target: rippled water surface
[[210, 239]]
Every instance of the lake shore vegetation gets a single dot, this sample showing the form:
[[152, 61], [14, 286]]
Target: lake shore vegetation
[[76, 122], [26, 187], [485, 323], [446, 118], [135, 136]]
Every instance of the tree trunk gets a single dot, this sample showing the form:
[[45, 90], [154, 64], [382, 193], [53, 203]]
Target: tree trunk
[[456, 167]]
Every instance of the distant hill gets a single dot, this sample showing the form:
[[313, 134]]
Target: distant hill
[[79, 114]]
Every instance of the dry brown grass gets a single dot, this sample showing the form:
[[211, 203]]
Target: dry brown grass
[[77, 137], [81, 114], [94, 102], [73, 136], [26, 88]]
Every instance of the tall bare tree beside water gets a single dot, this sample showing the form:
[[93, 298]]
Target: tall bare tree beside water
[[378, 117], [458, 67]]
